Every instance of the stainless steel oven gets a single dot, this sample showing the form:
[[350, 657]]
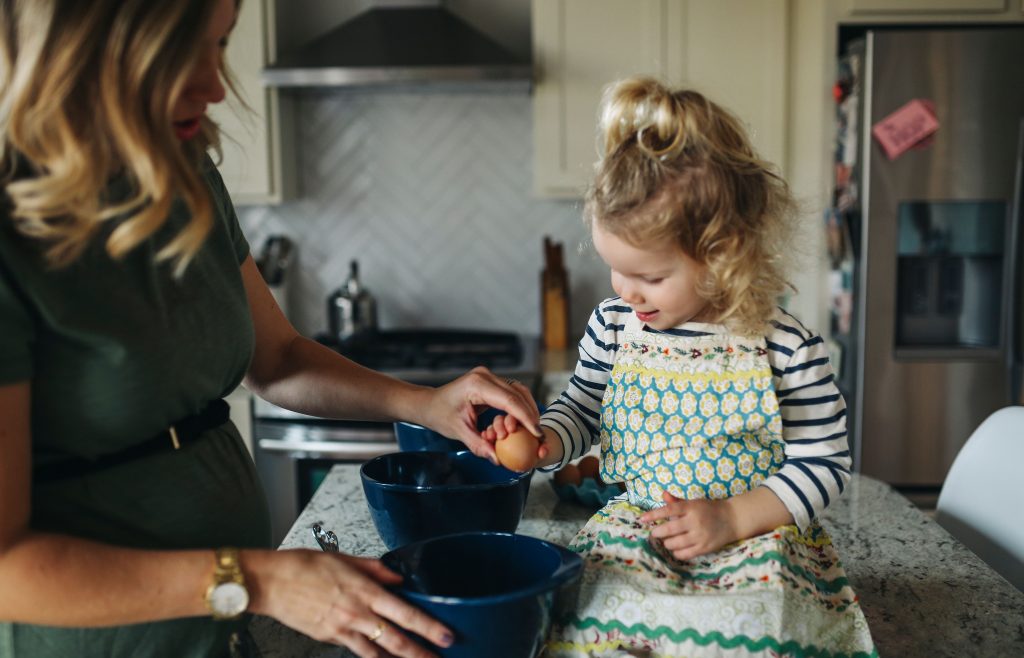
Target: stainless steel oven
[[294, 452]]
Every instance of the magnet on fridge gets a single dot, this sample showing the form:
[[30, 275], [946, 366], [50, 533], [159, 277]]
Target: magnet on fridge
[[905, 128]]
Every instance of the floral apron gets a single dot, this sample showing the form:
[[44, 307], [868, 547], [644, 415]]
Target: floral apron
[[697, 415]]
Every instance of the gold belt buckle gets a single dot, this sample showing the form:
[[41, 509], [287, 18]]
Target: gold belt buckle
[[174, 438]]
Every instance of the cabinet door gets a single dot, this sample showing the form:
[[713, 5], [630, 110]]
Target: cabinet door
[[735, 52], [252, 138], [927, 6], [580, 46]]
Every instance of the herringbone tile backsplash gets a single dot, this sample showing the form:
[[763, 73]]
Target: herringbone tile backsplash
[[431, 192]]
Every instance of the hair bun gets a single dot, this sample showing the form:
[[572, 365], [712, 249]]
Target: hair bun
[[647, 112]]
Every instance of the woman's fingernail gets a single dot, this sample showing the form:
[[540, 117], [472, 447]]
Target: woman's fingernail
[[447, 639]]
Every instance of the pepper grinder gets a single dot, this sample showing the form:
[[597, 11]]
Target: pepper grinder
[[554, 297]]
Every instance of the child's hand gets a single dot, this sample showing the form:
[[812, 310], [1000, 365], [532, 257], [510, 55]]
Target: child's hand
[[692, 527], [504, 425], [500, 427]]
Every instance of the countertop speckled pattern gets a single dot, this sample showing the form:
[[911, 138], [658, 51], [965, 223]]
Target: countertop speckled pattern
[[924, 593]]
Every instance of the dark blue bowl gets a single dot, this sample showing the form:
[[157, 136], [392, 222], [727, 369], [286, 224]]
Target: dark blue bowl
[[416, 437], [420, 495], [412, 437], [495, 591]]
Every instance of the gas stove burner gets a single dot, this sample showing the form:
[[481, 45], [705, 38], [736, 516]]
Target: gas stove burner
[[430, 349]]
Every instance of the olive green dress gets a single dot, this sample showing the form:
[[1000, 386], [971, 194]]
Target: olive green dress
[[115, 352]]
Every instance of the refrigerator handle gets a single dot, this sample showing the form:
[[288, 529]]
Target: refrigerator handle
[[1015, 310]]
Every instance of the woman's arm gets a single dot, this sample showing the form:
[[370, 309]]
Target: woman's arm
[[60, 580], [48, 579], [300, 374]]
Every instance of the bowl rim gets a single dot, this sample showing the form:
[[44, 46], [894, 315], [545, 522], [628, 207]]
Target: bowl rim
[[419, 427], [415, 437], [570, 568], [394, 486], [495, 410]]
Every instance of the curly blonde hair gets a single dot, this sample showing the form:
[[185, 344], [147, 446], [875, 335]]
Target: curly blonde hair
[[677, 167], [88, 93]]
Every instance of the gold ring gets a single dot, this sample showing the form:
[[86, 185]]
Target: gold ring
[[377, 632]]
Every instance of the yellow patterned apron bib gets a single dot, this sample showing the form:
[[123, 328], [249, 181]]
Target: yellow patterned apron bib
[[696, 415]]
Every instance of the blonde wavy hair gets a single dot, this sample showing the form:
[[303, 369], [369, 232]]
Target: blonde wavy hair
[[677, 167], [88, 93]]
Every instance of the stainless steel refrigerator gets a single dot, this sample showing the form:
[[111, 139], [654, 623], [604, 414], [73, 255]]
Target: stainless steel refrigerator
[[926, 246]]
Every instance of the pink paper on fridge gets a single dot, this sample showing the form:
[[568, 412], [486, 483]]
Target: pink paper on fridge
[[905, 127]]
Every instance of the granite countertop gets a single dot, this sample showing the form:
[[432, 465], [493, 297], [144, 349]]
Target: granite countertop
[[923, 593]]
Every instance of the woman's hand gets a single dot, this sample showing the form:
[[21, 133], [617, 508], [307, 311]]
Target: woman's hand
[[453, 408], [692, 527], [340, 599]]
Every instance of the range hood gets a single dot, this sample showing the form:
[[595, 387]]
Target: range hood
[[396, 45]]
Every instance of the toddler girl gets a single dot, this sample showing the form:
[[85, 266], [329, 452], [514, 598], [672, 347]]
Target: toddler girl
[[714, 406]]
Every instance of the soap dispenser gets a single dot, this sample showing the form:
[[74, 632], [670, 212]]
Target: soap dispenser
[[351, 309]]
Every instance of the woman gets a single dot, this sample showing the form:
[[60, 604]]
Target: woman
[[129, 304]]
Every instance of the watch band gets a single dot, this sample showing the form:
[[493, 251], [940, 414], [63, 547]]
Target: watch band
[[226, 565], [227, 575]]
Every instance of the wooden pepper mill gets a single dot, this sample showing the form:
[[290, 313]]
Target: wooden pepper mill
[[554, 297]]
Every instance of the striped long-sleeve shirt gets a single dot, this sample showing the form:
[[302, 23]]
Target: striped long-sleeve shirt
[[817, 457]]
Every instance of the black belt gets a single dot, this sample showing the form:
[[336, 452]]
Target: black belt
[[177, 435]]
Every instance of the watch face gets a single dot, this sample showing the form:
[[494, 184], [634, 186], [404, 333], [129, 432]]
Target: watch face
[[229, 599]]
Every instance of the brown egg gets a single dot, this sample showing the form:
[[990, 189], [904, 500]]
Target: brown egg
[[518, 451], [589, 467], [568, 474]]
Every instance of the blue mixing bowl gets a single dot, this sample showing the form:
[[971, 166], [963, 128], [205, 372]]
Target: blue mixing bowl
[[416, 437], [495, 591], [419, 495], [412, 437]]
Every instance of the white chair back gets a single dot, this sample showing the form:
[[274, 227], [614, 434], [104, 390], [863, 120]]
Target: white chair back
[[982, 499]]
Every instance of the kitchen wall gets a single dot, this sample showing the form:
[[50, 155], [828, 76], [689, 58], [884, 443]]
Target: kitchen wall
[[430, 190]]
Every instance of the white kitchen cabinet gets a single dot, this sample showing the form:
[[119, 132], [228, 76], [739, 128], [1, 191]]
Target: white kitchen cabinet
[[240, 403], [736, 52], [579, 47], [732, 50], [950, 12], [927, 6], [257, 163]]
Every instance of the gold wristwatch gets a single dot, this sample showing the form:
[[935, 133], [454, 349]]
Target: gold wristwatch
[[227, 597]]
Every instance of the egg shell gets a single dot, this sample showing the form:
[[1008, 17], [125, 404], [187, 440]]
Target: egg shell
[[518, 451], [589, 467], [568, 474]]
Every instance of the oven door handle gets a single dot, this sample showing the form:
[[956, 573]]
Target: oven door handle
[[329, 449]]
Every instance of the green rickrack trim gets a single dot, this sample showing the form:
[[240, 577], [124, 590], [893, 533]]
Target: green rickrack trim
[[830, 586], [788, 648]]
